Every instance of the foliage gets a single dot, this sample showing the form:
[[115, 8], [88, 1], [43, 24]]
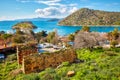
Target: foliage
[[101, 64], [86, 28], [86, 54], [71, 37], [19, 39], [9, 64], [24, 30], [117, 23], [41, 35], [115, 33], [24, 25], [11, 57], [65, 63], [113, 43], [2, 32], [113, 36], [6, 36], [52, 38], [18, 32], [32, 76]]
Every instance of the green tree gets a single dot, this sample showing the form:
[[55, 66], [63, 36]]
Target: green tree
[[52, 37], [115, 33], [19, 39], [6, 36], [113, 43], [86, 28], [2, 32], [71, 37], [113, 36], [25, 31], [40, 35], [117, 23]]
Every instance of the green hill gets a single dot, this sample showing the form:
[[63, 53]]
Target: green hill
[[87, 16], [94, 64]]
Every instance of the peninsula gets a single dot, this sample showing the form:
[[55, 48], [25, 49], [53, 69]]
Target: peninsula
[[90, 17]]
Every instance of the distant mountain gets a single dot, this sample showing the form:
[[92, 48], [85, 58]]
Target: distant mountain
[[34, 19], [53, 19], [87, 16]]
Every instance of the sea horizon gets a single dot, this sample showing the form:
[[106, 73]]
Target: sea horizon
[[50, 26]]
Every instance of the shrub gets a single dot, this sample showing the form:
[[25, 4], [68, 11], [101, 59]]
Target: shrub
[[65, 63], [113, 43], [11, 57], [32, 76]]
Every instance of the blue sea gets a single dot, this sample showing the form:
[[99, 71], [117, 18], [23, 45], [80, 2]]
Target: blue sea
[[50, 26]]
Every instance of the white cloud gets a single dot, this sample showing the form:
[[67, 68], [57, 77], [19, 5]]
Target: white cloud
[[74, 4], [55, 8], [46, 2], [55, 11], [73, 9], [50, 2]]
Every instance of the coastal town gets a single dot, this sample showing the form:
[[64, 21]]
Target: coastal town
[[56, 42]]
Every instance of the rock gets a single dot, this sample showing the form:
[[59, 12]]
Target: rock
[[78, 61], [70, 73]]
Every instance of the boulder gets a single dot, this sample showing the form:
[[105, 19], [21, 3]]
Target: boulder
[[70, 73]]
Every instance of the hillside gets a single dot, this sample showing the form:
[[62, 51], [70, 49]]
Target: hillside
[[87, 16], [95, 64]]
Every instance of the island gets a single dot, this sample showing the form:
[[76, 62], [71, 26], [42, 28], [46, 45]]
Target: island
[[91, 17]]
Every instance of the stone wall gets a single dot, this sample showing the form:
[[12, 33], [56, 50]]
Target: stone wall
[[37, 63], [26, 50]]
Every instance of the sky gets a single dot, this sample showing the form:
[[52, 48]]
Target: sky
[[20, 9]]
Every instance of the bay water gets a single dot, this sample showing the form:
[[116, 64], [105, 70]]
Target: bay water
[[52, 25]]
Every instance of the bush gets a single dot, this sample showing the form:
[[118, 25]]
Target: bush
[[32, 76], [110, 53], [113, 43], [65, 63], [11, 57]]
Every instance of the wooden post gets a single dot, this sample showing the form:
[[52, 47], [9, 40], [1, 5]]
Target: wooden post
[[23, 66], [17, 55]]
